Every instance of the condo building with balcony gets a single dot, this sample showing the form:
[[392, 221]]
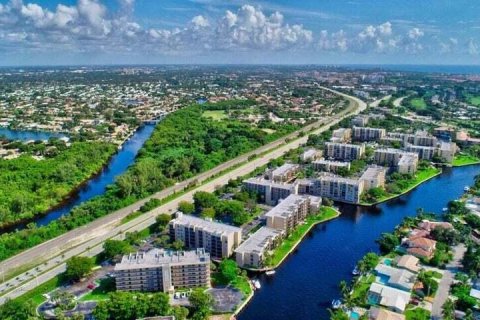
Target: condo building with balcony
[[368, 134], [292, 211], [343, 151], [329, 165], [218, 239], [162, 270], [271, 192], [252, 252]]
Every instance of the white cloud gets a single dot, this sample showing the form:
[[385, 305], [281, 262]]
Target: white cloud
[[200, 22], [473, 47], [415, 33]]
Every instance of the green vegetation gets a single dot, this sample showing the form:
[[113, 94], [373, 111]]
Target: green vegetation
[[30, 187], [182, 145], [113, 248], [101, 292], [360, 290], [464, 160], [134, 305], [215, 114], [230, 274], [201, 304], [294, 238], [78, 267], [474, 100], [417, 314], [418, 103], [399, 184]]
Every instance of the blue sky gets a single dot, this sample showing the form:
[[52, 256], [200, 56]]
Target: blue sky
[[237, 31]]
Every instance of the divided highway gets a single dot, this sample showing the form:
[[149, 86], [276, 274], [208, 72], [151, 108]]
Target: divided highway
[[47, 260]]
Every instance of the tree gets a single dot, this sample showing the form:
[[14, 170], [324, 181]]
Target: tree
[[201, 304], [186, 207], [16, 310], [448, 310], [177, 245], [445, 235], [78, 267], [208, 213], [159, 304], [113, 248], [101, 311], [368, 262], [388, 242], [162, 220], [338, 314], [202, 199], [229, 270], [180, 313]]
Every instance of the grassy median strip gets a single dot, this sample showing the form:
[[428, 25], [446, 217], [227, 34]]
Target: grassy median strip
[[291, 242]]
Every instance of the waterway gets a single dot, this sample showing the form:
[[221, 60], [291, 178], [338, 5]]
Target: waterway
[[97, 185], [305, 284]]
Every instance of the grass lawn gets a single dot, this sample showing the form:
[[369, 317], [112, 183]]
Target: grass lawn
[[417, 314], [464, 160], [474, 100], [296, 236], [215, 114], [360, 290], [101, 292], [418, 103], [420, 177]]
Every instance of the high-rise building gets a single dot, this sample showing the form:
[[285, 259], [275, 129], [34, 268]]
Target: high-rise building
[[344, 151], [161, 270], [216, 238], [271, 192], [252, 252], [368, 134]]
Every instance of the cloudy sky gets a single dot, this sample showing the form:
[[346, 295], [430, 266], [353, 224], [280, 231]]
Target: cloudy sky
[[50, 32]]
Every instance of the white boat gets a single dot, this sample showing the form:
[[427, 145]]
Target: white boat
[[444, 209], [256, 284], [270, 272], [336, 304], [466, 189], [355, 271]]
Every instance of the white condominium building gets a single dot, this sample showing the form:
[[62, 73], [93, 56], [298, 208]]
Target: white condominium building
[[252, 252], [330, 166], [344, 151], [284, 173], [291, 211], [270, 191], [161, 270], [368, 134], [374, 177], [216, 238]]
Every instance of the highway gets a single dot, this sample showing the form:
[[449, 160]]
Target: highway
[[47, 260]]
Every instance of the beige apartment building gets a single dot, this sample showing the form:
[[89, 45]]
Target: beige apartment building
[[218, 239], [368, 134], [339, 188], [402, 161], [252, 252], [271, 192], [344, 151], [161, 270], [284, 173], [291, 211], [330, 166], [374, 177]]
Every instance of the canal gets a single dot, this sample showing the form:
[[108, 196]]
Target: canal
[[96, 185], [305, 284]]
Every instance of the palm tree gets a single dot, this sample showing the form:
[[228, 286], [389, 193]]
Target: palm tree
[[448, 310]]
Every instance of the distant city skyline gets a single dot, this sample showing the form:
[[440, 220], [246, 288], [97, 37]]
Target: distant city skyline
[[84, 32]]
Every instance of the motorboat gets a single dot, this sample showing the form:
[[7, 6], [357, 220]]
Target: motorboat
[[256, 284], [270, 272], [355, 271], [336, 303]]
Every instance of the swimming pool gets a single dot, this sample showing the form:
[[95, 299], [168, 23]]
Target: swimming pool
[[383, 279], [387, 261], [354, 315]]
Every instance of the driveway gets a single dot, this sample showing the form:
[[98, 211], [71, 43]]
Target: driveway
[[448, 276]]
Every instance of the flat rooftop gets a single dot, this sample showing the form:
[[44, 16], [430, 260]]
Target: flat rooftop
[[265, 182], [207, 225], [259, 240], [285, 207], [159, 257]]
